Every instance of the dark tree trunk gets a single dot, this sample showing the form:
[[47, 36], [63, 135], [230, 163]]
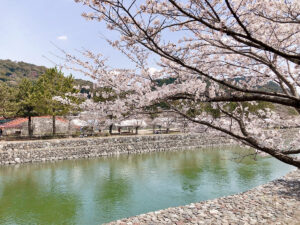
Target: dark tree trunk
[[29, 127], [153, 129], [137, 130], [110, 128], [167, 130], [53, 125]]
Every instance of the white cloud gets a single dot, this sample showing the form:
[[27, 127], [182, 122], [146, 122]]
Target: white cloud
[[152, 70], [62, 38]]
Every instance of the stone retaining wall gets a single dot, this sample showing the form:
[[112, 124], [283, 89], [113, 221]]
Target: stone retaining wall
[[49, 150]]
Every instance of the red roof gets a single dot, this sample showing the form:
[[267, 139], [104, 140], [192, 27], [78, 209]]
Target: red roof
[[17, 123], [14, 123]]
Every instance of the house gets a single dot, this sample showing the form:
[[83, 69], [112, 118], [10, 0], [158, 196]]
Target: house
[[41, 126], [13, 127]]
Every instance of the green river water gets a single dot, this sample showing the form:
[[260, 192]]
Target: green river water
[[94, 191]]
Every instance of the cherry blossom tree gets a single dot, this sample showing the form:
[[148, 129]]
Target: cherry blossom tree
[[221, 55], [166, 121]]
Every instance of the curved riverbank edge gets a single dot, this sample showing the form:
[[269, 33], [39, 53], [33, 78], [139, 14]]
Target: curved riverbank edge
[[61, 149], [277, 202]]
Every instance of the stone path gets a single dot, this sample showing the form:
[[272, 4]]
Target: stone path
[[277, 202]]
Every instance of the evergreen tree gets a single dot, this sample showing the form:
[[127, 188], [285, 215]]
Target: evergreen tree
[[7, 101], [54, 84], [27, 99]]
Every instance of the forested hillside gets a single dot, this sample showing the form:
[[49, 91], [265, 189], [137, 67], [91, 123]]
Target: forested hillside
[[12, 72]]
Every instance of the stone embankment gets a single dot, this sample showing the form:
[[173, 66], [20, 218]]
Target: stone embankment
[[277, 202], [50, 150]]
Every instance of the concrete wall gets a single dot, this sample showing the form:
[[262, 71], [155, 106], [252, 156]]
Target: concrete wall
[[48, 150]]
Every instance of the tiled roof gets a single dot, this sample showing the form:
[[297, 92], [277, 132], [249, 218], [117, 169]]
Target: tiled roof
[[17, 123], [4, 120], [14, 123]]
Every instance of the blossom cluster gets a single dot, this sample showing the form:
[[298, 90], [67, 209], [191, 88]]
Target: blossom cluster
[[223, 58]]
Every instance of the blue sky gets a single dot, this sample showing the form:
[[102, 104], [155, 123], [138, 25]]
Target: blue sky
[[28, 27]]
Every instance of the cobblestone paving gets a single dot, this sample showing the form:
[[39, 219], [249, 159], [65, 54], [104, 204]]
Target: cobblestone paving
[[277, 202]]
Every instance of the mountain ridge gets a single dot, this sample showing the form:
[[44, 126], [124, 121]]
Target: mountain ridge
[[12, 72]]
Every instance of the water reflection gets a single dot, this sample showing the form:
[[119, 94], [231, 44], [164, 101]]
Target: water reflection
[[25, 201], [253, 168], [95, 191], [189, 168], [113, 189]]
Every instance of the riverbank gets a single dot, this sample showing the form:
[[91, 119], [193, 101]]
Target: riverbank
[[61, 149], [277, 202], [15, 152]]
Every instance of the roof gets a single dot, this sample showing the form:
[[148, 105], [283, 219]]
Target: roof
[[4, 120], [132, 123], [79, 123], [17, 123]]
